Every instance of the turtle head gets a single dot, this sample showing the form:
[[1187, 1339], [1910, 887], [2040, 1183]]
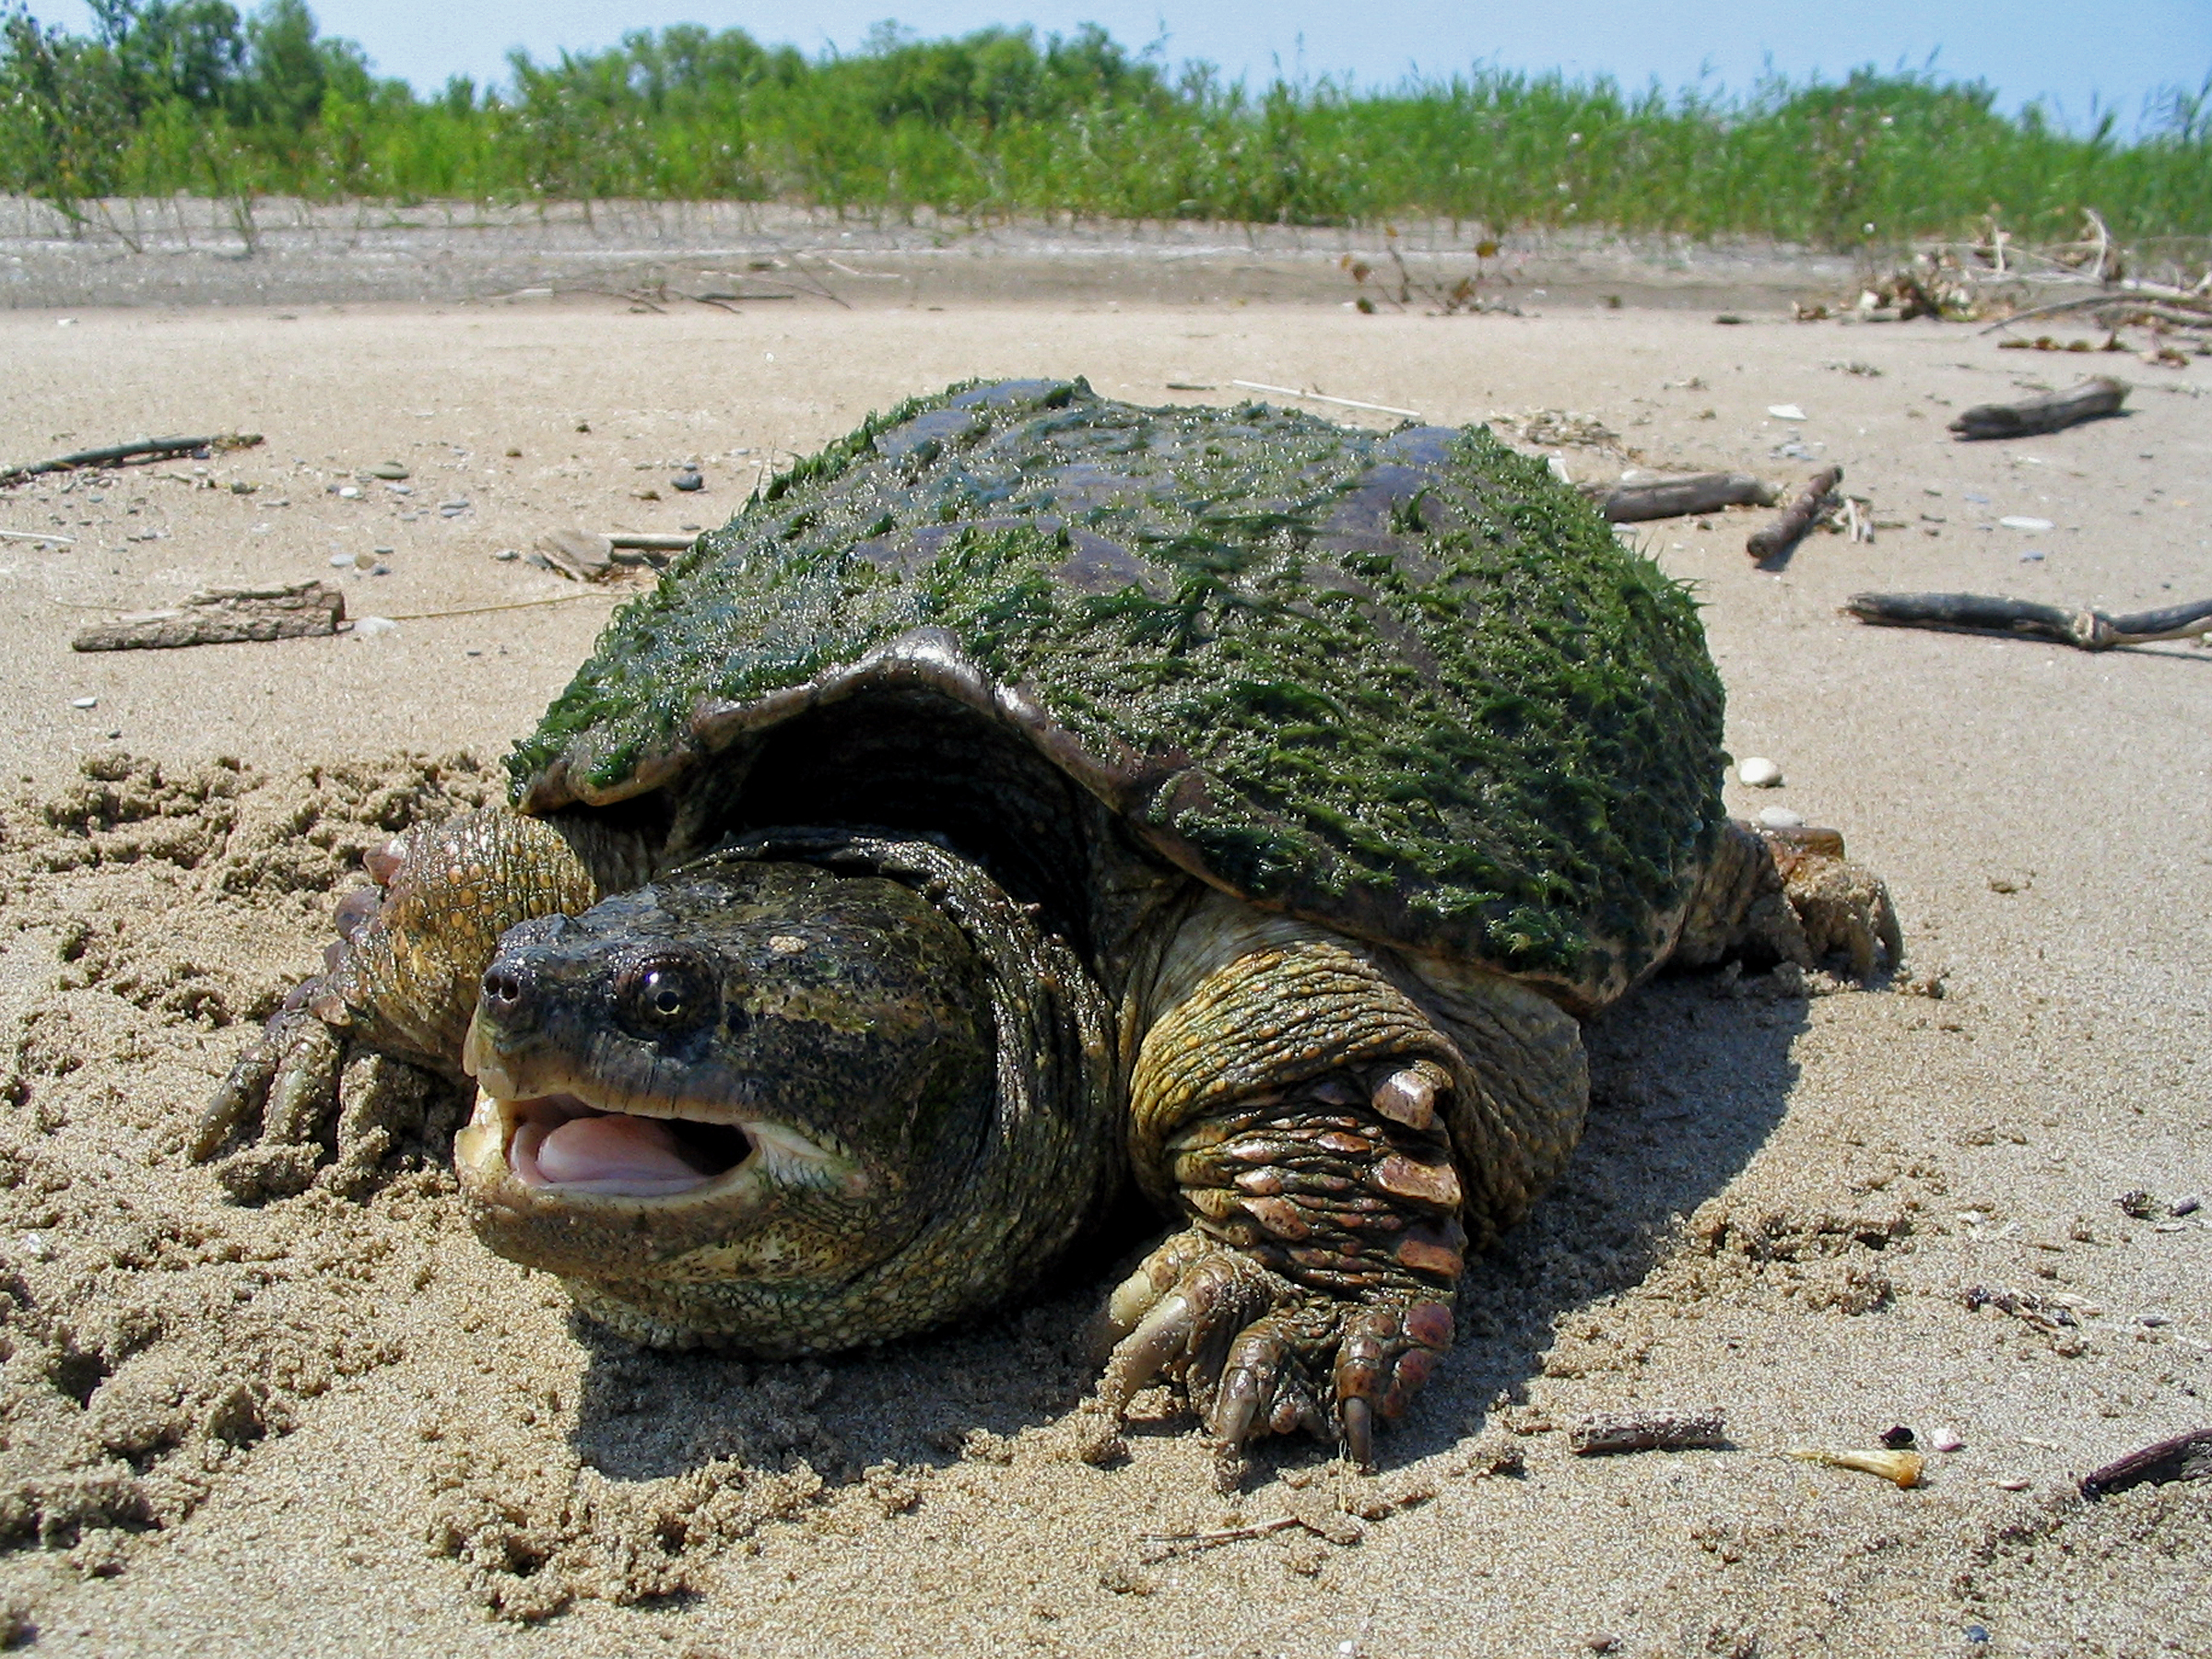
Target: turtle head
[[725, 1099]]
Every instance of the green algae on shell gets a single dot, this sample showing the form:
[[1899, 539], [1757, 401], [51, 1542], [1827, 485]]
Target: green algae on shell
[[1406, 684]]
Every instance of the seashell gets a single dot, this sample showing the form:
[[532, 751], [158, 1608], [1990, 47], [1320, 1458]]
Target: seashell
[[1947, 1439], [1903, 1468], [1758, 772], [1780, 817], [1785, 411], [2020, 521]]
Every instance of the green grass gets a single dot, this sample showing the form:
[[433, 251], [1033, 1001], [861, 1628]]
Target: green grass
[[183, 95]]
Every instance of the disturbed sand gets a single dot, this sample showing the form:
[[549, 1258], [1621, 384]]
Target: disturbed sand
[[324, 1427]]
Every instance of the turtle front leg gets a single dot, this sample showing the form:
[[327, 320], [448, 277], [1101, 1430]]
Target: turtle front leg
[[365, 1040], [1301, 1111], [1789, 896]]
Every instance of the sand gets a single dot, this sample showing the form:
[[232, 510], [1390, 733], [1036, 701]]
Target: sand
[[325, 1427]]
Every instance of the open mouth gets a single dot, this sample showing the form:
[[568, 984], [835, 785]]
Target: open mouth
[[557, 1141]]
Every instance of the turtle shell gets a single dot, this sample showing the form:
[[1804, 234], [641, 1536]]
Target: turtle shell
[[1406, 684]]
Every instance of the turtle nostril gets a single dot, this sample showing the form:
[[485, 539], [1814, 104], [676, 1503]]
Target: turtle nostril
[[503, 987]]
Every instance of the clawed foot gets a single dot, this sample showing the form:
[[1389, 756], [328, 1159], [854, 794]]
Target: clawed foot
[[328, 1110], [1841, 906], [1256, 1353]]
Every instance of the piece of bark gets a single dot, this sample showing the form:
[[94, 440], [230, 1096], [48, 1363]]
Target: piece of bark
[[582, 554], [138, 449], [646, 542], [1789, 526], [224, 617], [2099, 394], [2185, 1457], [2025, 618], [1627, 503], [1605, 1433]]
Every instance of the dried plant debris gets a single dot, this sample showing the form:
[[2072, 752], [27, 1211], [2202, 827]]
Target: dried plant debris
[[2099, 396], [1606, 1433], [2026, 618], [2184, 1457], [1903, 1468], [224, 617]]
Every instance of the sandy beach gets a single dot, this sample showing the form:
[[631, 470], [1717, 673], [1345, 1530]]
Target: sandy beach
[[324, 1427]]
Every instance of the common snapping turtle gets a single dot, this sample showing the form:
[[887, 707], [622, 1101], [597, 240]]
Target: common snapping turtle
[[1032, 791]]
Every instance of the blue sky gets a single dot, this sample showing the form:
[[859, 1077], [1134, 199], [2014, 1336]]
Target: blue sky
[[2072, 55]]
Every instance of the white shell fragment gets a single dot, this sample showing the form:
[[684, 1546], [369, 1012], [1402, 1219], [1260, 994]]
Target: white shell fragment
[[1947, 1439], [1780, 817], [2018, 520], [1758, 772], [84, 703], [373, 628], [1785, 411]]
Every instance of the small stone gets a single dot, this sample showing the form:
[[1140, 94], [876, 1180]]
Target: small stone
[[1785, 411], [35, 1247], [388, 469], [84, 703], [1976, 1633], [2014, 1484], [341, 562], [452, 509], [1758, 772], [1780, 817], [687, 481], [2187, 1205], [1897, 1437], [583, 426], [2020, 521], [507, 554], [1947, 1439], [350, 492]]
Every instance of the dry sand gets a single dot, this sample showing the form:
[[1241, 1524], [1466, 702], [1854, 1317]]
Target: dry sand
[[329, 1428]]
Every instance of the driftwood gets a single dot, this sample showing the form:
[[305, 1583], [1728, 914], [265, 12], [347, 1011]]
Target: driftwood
[[590, 555], [1606, 1433], [1627, 503], [1791, 524], [2024, 618], [224, 617], [2185, 1457], [2099, 394], [138, 449]]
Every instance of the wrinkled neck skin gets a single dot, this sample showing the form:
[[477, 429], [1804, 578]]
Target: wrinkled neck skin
[[816, 1090]]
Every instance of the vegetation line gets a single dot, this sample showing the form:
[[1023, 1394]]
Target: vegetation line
[[186, 96]]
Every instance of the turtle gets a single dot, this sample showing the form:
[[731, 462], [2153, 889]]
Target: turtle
[[1031, 794]]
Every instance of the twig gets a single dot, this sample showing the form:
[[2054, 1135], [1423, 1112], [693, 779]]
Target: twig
[[2099, 394], [1980, 613], [2088, 302], [224, 617], [33, 536], [2185, 1457], [478, 610], [1789, 526], [146, 447], [1603, 1434], [1678, 498], [1349, 402], [1226, 1535]]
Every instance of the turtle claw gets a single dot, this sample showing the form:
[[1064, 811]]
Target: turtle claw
[[1257, 1355]]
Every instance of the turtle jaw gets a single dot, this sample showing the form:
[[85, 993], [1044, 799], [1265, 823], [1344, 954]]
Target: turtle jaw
[[656, 1184]]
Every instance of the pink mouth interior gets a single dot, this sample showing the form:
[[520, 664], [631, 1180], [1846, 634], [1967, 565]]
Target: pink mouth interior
[[560, 1142]]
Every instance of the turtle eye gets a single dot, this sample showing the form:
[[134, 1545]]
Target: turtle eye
[[667, 994]]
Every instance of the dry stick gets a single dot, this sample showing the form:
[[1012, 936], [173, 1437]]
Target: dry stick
[[224, 617], [146, 447], [1678, 498], [2047, 412], [1980, 613], [2185, 1457], [1792, 522], [1226, 1535], [1349, 402], [33, 536], [1601, 1435]]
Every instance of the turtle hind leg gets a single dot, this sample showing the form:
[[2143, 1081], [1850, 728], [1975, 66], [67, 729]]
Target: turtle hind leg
[[1789, 896]]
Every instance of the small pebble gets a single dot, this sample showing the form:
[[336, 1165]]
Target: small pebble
[[84, 703], [1977, 1633], [1947, 1439], [2034, 556], [1897, 1437], [2187, 1205], [452, 509], [2153, 1319], [402, 489], [341, 562], [507, 556], [1780, 817], [1785, 411], [1759, 772], [2015, 1485], [350, 492], [687, 481], [2016, 521], [35, 1247], [388, 469]]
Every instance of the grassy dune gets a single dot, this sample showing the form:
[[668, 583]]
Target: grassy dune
[[189, 97]]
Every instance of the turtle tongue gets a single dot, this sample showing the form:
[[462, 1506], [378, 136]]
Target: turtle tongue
[[616, 1155]]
